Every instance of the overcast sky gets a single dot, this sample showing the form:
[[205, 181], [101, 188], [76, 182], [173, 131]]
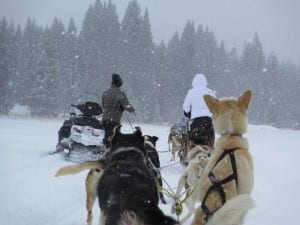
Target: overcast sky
[[234, 21]]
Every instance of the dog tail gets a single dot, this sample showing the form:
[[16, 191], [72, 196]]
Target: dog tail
[[233, 211], [68, 170]]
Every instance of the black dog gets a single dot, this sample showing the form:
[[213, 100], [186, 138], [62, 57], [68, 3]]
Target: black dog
[[152, 154], [127, 190]]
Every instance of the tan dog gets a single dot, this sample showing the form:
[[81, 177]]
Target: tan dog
[[174, 143], [227, 180], [197, 157], [91, 181], [188, 144]]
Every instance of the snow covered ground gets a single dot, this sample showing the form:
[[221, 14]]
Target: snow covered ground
[[31, 195]]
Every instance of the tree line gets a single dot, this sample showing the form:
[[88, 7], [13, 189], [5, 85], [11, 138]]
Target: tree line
[[49, 68]]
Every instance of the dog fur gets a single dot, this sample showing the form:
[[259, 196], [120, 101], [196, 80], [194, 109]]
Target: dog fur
[[197, 157], [174, 144], [154, 162], [97, 172], [230, 122], [127, 187]]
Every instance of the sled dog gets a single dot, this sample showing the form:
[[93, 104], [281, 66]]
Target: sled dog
[[127, 190], [197, 157], [174, 143], [154, 162], [226, 183], [125, 179], [92, 179]]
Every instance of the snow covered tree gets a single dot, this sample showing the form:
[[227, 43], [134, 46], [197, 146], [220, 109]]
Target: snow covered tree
[[70, 64], [252, 70], [31, 54], [187, 53], [5, 65], [136, 50]]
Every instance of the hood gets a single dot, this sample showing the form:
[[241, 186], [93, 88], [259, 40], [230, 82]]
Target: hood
[[199, 81]]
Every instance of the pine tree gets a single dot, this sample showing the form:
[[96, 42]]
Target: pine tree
[[233, 76], [31, 55], [220, 74], [252, 70], [109, 46], [130, 32], [272, 79], [56, 56], [16, 84], [199, 49], [71, 53], [209, 52], [5, 58], [188, 52]]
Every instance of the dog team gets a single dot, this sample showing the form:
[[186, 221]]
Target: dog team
[[218, 175]]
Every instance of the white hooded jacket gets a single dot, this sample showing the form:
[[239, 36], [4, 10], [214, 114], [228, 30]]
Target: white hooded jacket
[[194, 101]]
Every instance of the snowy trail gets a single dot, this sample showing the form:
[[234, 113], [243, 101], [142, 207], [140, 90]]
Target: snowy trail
[[31, 195]]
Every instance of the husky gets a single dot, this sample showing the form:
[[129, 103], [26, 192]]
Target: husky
[[174, 144], [125, 184], [197, 157], [154, 162], [225, 185]]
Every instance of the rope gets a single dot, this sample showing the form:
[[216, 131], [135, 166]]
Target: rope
[[129, 121], [163, 151], [173, 164], [162, 167], [169, 192], [179, 203]]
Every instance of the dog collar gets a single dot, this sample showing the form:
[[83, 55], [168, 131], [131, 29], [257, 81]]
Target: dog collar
[[232, 135]]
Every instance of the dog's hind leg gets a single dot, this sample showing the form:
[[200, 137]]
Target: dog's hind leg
[[198, 218], [173, 154], [91, 182], [190, 204], [102, 218]]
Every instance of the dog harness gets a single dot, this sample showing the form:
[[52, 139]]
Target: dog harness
[[217, 185]]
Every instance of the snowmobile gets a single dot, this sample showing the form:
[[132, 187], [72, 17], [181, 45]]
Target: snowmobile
[[82, 134]]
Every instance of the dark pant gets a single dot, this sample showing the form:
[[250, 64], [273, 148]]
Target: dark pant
[[108, 126], [202, 131]]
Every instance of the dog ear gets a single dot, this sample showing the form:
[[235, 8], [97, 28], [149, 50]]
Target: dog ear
[[154, 138], [138, 131], [212, 103], [244, 100], [116, 130]]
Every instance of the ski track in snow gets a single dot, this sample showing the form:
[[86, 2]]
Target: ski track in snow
[[31, 195]]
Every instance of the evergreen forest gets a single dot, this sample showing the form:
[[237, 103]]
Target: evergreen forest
[[47, 68]]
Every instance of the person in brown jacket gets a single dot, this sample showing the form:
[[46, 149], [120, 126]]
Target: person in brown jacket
[[114, 102]]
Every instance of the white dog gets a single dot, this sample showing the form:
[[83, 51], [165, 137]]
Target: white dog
[[197, 160]]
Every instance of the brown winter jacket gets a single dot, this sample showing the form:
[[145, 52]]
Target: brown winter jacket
[[114, 102]]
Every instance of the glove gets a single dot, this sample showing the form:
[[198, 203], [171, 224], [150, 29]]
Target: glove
[[187, 114]]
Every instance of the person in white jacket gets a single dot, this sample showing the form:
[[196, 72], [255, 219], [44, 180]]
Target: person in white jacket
[[201, 130]]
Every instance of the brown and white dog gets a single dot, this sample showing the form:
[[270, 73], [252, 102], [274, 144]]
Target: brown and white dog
[[91, 181], [226, 183], [197, 158], [174, 144]]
